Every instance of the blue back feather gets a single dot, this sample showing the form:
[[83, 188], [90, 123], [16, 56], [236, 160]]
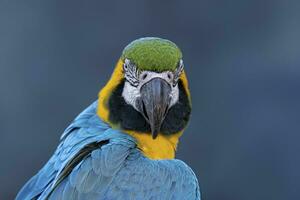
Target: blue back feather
[[95, 162]]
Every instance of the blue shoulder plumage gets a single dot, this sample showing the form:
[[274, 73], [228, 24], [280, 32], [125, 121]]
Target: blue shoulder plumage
[[86, 140], [95, 162]]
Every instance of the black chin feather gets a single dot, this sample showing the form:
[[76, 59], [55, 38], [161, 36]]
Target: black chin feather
[[128, 118]]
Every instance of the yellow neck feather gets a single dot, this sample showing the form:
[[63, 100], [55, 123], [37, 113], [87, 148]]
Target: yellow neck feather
[[105, 93], [163, 147]]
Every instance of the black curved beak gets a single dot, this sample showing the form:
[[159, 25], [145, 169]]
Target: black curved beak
[[154, 103]]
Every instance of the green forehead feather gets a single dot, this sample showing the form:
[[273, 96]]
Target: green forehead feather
[[153, 54]]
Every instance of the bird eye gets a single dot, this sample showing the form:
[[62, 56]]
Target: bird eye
[[169, 75], [144, 76], [125, 66]]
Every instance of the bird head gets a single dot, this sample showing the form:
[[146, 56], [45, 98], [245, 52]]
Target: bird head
[[148, 90]]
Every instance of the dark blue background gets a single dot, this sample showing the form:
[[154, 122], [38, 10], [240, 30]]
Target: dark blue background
[[242, 58]]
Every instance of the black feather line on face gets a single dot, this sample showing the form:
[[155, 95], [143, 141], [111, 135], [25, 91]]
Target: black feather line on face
[[128, 118]]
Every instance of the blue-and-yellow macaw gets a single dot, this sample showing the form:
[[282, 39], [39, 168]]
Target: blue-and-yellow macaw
[[123, 145]]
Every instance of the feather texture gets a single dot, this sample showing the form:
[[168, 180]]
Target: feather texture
[[95, 162]]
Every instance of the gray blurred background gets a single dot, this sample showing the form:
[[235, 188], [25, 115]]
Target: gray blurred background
[[242, 58]]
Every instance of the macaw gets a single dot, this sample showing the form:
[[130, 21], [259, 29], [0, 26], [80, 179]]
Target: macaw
[[123, 145]]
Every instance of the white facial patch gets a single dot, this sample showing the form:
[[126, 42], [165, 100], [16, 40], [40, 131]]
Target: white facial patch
[[131, 93]]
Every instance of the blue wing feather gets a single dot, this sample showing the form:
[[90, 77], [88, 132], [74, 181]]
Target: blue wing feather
[[85, 129], [94, 161]]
